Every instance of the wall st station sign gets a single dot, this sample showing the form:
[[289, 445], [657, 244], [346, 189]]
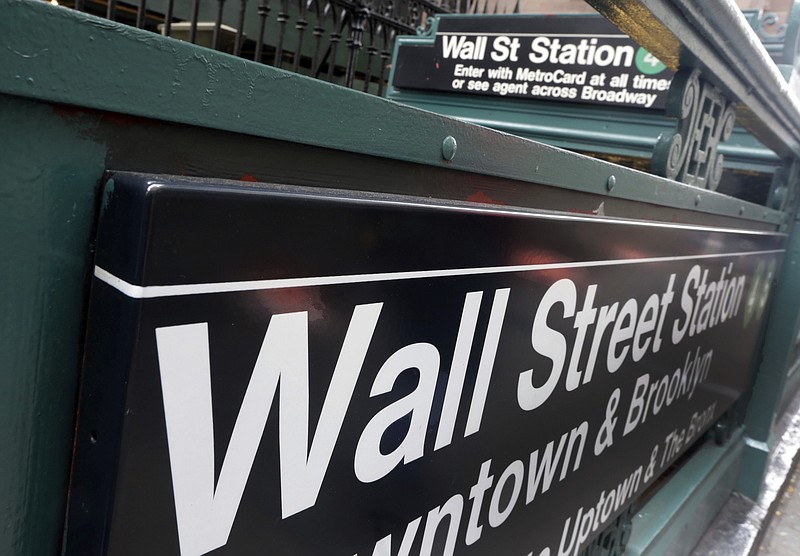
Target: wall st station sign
[[282, 370], [566, 58]]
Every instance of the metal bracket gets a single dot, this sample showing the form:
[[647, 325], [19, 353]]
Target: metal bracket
[[705, 118]]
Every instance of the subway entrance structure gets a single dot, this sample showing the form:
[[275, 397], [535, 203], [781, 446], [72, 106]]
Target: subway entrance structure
[[251, 312]]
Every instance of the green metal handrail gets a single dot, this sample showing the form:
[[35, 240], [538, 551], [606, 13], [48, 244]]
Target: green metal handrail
[[716, 37]]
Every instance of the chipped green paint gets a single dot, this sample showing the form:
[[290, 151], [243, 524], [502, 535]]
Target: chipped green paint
[[108, 193], [49, 175]]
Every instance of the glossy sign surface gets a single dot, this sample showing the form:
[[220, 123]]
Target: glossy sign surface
[[294, 371], [564, 58]]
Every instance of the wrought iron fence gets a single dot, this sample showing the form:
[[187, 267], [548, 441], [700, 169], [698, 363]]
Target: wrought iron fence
[[348, 42]]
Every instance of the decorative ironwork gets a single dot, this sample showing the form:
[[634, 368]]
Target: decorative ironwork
[[705, 118], [490, 7], [275, 32], [779, 37], [769, 27]]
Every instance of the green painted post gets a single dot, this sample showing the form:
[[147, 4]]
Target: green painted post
[[767, 393], [48, 179]]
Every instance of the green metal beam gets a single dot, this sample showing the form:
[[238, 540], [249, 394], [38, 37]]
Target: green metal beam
[[595, 129], [140, 73]]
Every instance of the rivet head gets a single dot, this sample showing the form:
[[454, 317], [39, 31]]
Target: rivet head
[[697, 200], [449, 147], [611, 182], [778, 197]]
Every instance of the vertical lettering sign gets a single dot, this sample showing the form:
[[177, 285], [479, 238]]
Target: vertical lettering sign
[[565, 58], [289, 371]]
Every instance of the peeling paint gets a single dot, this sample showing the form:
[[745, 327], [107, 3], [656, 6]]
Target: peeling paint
[[23, 55], [482, 197]]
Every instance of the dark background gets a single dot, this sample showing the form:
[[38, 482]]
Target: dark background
[[185, 233]]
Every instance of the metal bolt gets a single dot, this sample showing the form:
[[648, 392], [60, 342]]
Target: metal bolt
[[611, 182], [741, 211], [697, 200], [778, 197], [449, 148]]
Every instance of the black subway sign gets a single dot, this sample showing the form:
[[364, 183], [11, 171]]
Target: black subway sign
[[294, 371], [567, 58]]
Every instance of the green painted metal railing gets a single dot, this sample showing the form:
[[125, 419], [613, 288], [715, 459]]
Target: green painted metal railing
[[80, 94]]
